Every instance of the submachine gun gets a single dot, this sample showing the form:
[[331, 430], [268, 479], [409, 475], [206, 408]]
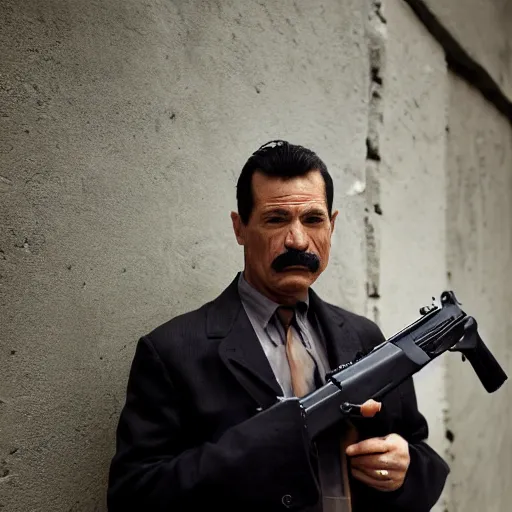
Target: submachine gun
[[438, 330]]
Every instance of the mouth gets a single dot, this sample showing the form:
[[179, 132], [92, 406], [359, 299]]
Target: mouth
[[292, 268]]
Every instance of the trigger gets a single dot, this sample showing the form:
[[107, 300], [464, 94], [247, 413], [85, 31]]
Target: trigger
[[351, 410]]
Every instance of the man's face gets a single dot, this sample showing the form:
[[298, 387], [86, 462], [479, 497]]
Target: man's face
[[288, 215]]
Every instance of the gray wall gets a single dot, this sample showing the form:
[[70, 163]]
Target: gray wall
[[483, 29], [123, 127], [413, 194], [479, 218]]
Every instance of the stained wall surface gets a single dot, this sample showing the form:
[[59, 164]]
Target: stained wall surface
[[479, 250], [124, 126], [483, 28], [410, 183]]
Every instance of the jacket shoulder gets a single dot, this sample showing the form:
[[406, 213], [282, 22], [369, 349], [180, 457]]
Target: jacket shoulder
[[189, 333]]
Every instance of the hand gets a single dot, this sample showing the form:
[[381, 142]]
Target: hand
[[389, 454]]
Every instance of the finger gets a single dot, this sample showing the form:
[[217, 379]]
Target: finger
[[397, 444], [373, 445], [377, 461], [381, 475], [381, 485], [370, 408]]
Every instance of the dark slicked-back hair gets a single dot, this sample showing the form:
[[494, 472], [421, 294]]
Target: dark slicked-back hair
[[281, 159]]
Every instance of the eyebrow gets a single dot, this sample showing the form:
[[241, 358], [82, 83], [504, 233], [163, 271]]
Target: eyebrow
[[277, 211], [315, 211], [285, 213]]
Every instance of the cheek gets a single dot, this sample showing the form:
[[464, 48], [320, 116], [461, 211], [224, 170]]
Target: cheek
[[275, 246], [323, 246], [265, 247], [322, 243]]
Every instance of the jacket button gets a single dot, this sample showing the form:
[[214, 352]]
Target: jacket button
[[287, 500]]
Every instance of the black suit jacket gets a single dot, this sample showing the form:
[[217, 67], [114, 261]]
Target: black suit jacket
[[198, 431]]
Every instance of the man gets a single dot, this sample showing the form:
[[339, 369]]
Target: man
[[198, 430]]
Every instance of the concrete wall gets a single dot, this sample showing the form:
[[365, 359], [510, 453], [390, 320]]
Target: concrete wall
[[412, 193], [479, 223], [483, 29], [123, 128], [439, 211], [479, 243], [410, 227]]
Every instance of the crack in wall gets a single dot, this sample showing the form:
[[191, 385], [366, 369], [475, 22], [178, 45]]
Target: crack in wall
[[460, 62], [376, 34]]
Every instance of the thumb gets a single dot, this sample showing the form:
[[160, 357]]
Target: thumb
[[370, 408]]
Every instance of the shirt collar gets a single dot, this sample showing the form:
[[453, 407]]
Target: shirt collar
[[260, 305]]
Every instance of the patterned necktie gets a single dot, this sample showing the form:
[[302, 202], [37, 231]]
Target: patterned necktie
[[302, 365]]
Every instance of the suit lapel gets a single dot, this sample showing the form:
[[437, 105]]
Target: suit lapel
[[342, 341], [241, 351], [239, 347]]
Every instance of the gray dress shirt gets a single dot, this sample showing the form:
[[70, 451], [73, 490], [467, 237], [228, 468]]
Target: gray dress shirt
[[270, 332]]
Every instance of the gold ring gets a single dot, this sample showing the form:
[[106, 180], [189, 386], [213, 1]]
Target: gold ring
[[382, 472]]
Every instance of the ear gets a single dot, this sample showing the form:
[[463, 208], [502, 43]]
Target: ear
[[238, 228], [333, 220]]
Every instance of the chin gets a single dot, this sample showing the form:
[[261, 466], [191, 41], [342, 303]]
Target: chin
[[296, 281]]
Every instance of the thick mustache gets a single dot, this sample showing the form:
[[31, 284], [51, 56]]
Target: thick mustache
[[295, 257]]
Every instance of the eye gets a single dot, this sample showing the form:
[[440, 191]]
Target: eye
[[314, 219], [274, 220]]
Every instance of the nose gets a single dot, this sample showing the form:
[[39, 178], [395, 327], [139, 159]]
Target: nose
[[296, 238]]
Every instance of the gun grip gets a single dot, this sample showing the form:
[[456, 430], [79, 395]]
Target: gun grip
[[489, 371]]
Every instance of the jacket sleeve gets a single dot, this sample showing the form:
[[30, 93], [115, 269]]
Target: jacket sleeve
[[155, 467], [427, 473]]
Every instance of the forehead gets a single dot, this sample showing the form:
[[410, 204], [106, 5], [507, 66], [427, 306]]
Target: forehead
[[275, 190]]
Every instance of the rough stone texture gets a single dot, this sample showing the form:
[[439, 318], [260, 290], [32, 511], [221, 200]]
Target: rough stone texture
[[411, 193], [479, 241], [124, 125], [483, 28]]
